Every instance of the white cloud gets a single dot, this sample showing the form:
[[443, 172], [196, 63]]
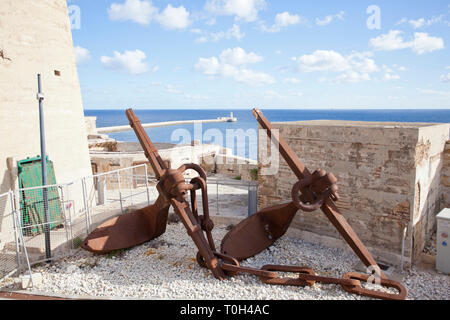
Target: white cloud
[[233, 32], [283, 20], [328, 19], [399, 68], [139, 11], [172, 89], [292, 80], [353, 76], [238, 56], [143, 12], [253, 77], [242, 9], [354, 67], [424, 43], [232, 64], [322, 60], [393, 40], [390, 76], [270, 94], [174, 18], [421, 22], [286, 19], [208, 66], [445, 77], [390, 41], [196, 96], [131, 62], [417, 23], [82, 54]]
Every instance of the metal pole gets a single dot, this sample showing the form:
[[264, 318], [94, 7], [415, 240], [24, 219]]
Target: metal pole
[[64, 204], [146, 184], [131, 186], [217, 195], [40, 98], [17, 228], [120, 192], [70, 214], [86, 210]]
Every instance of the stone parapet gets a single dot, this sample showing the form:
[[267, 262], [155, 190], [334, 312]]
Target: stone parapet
[[389, 177]]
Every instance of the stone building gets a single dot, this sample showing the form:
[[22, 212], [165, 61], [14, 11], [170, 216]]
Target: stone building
[[35, 38], [392, 178]]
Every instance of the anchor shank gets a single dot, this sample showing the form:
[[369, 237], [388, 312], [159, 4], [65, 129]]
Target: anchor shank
[[150, 150], [328, 208]]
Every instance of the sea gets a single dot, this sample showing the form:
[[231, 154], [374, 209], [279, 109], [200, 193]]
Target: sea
[[241, 136]]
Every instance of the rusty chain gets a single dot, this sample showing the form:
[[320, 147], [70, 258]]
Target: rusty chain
[[312, 191]]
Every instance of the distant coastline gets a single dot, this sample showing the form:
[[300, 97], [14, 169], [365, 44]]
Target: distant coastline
[[107, 118]]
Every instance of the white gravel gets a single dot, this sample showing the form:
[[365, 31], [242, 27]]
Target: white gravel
[[165, 268]]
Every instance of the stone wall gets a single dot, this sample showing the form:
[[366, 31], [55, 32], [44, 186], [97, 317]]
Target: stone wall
[[35, 37], [445, 192], [429, 165], [380, 167], [236, 167]]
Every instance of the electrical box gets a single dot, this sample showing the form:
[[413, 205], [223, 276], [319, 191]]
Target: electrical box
[[443, 241]]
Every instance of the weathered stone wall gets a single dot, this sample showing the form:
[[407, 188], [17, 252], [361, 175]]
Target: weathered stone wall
[[35, 37], [233, 167], [445, 191], [378, 166], [429, 165]]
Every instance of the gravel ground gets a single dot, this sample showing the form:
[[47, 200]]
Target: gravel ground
[[165, 268]]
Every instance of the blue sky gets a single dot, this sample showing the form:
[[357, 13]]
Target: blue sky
[[236, 54]]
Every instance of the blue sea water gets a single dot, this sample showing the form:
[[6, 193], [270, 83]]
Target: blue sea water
[[246, 121]]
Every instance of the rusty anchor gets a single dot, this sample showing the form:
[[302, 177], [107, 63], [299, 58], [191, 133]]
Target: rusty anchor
[[251, 236], [318, 191]]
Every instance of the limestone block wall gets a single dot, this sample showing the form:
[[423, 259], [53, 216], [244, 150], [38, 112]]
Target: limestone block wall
[[379, 167], [35, 37], [429, 165], [233, 166], [445, 191], [101, 164]]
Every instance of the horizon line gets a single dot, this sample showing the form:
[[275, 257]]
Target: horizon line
[[268, 108]]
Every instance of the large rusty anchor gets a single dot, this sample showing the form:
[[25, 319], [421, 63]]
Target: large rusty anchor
[[251, 236], [318, 191], [140, 226]]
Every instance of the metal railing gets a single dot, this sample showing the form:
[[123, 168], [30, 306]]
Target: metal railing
[[73, 208], [76, 208]]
